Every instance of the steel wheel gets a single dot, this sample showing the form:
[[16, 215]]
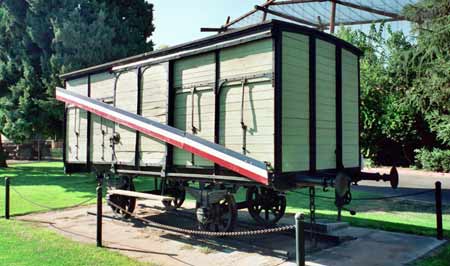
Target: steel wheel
[[126, 203], [265, 205], [176, 190], [222, 216]]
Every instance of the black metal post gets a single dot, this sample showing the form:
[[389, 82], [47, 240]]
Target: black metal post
[[438, 195], [99, 213], [7, 183], [300, 239]]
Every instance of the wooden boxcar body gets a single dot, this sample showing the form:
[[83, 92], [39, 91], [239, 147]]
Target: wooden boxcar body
[[277, 92]]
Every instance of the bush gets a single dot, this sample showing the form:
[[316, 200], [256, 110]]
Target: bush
[[435, 160]]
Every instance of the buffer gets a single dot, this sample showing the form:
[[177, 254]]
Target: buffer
[[234, 161]]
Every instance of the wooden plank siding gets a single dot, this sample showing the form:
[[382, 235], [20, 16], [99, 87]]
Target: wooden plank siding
[[196, 77], [126, 99], [350, 110], [76, 127], [155, 82], [295, 102], [239, 62], [102, 88], [189, 72], [325, 105]]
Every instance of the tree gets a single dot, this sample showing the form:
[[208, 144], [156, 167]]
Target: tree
[[392, 128], [405, 84], [40, 39], [429, 58]]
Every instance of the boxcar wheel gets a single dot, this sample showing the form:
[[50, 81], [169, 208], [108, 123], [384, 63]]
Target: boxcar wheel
[[221, 217], [176, 190], [126, 203], [265, 205]]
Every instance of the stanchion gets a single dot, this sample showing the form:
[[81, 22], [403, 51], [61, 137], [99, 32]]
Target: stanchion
[[300, 239], [99, 213], [438, 195], [7, 183]]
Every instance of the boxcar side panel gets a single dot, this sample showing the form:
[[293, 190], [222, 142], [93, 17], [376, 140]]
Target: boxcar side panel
[[126, 99], [325, 105], [258, 107], [295, 105], [350, 102], [102, 88], [194, 103], [154, 106], [76, 126]]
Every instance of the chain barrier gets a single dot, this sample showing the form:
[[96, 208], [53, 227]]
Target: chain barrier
[[47, 207], [168, 227], [205, 233], [374, 198]]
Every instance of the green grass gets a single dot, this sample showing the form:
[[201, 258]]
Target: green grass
[[393, 215], [442, 258], [27, 245], [46, 184]]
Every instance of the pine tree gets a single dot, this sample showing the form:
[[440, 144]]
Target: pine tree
[[40, 39]]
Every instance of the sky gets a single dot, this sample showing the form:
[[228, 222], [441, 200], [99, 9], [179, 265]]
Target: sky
[[179, 21]]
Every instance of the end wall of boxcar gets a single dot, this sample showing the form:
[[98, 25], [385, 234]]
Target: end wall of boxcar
[[320, 103]]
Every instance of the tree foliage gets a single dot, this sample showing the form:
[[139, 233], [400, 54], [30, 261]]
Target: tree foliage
[[40, 39], [405, 85], [430, 60]]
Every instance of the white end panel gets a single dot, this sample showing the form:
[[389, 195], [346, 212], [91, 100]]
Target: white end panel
[[76, 124], [102, 89]]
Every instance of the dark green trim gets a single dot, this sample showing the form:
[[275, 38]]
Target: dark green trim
[[137, 150], [89, 129], [359, 112], [170, 114], [65, 131], [217, 104], [339, 164], [312, 104], [278, 85]]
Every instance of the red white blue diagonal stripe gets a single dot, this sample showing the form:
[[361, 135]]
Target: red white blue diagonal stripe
[[239, 163]]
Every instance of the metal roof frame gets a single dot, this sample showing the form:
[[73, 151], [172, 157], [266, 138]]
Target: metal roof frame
[[362, 12]]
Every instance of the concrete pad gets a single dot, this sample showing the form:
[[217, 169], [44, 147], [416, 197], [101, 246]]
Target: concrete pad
[[375, 248], [148, 244]]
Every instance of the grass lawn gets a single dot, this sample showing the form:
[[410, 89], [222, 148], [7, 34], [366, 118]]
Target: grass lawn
[[28, 245], [46, 184]]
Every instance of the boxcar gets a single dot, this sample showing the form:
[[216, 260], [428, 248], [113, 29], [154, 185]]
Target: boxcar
[[277, 92]]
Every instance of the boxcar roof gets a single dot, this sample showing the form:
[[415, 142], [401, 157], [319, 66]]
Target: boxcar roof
[[236, 34]]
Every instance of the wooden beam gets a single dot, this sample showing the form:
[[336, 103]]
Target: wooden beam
[[369, 9], [290, 2], [139, 195], [211, 29], [361, 22], [246, 15], [322, 26], [265, 13], [286, 16], [333, 16]]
